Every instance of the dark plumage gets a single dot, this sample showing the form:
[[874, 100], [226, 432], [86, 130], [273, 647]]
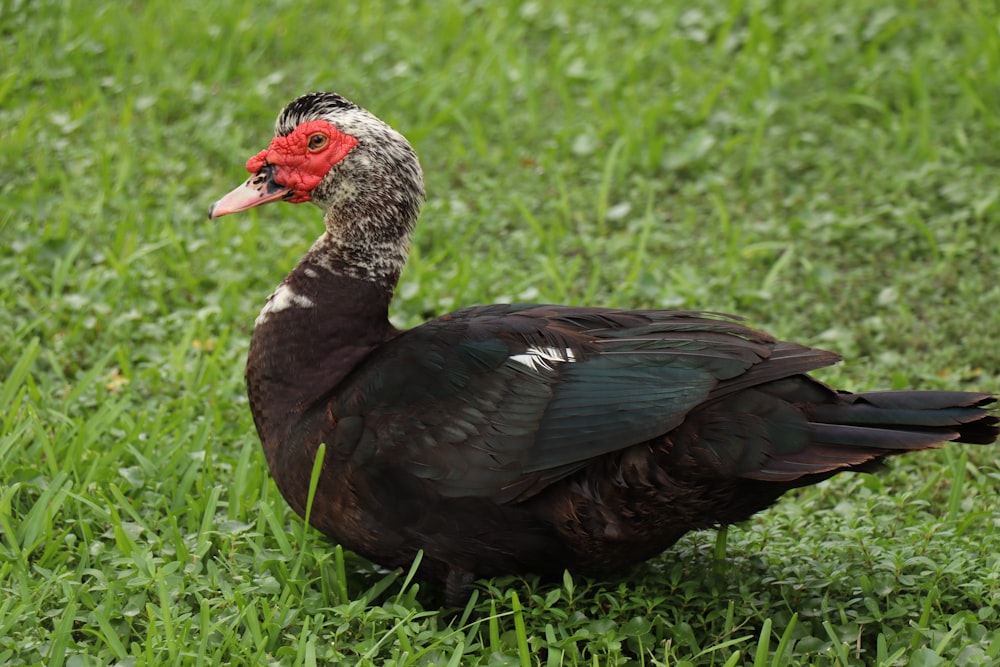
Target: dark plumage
[[524, 438]]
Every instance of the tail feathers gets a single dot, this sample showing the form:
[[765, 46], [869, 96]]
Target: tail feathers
[[858, 430], [926, 400], [944, 415], [902, 438]]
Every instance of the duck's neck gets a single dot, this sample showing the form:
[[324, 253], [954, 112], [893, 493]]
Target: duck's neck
[[366, 258], [317, 326]]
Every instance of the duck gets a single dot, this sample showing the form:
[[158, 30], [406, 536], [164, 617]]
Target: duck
[[524, 438]]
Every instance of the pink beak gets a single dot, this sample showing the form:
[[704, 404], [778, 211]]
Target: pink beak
[[260, 188]]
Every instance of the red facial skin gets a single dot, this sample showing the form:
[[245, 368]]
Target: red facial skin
[[301, 167], [289, 169]]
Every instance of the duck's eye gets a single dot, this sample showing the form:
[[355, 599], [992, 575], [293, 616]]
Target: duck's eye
[[317, 141]]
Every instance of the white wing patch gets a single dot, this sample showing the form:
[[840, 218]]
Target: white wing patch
[[544, 358], [281, 299]]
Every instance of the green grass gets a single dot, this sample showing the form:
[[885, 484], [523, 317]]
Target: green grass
[[829, 170]]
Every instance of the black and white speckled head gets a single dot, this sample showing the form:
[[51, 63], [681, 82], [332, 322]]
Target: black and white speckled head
[[311, 106], [361, 172]]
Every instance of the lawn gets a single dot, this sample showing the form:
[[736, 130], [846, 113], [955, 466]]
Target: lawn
[[831, 171]]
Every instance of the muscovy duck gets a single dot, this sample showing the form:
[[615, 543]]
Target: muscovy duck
[[524, 438]]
